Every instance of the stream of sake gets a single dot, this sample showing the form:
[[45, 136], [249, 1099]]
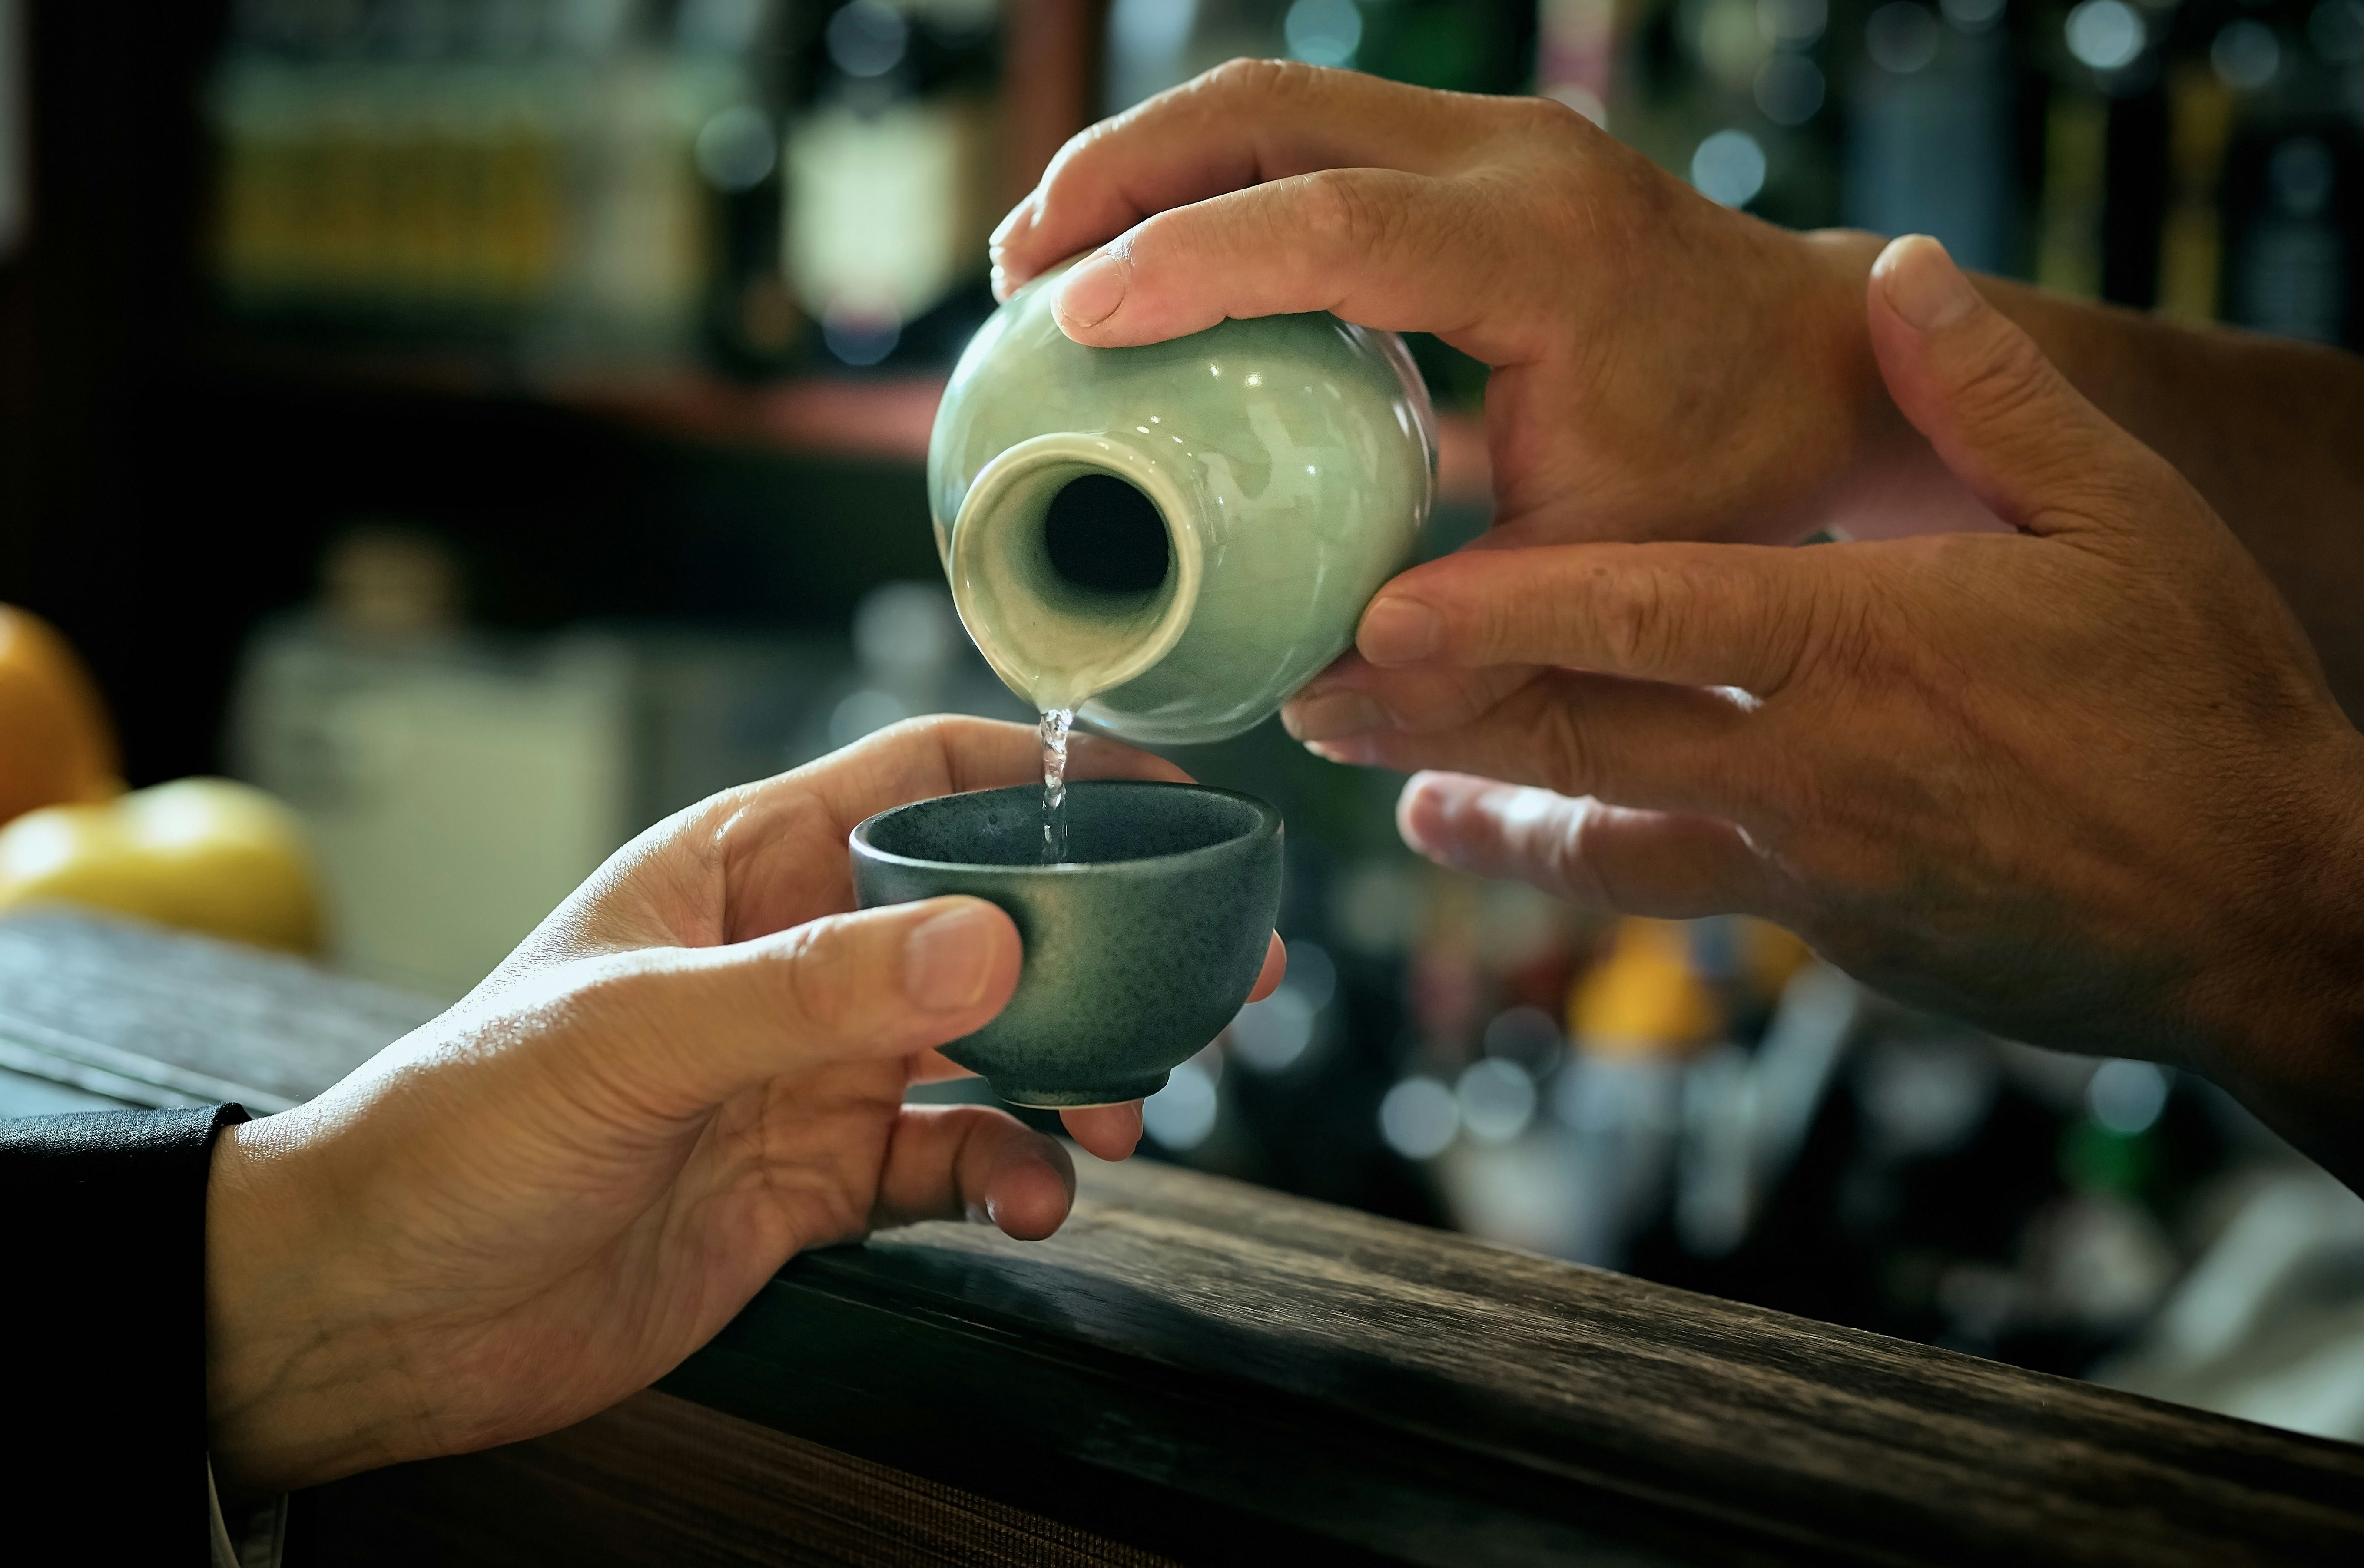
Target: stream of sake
[[1056, 724]]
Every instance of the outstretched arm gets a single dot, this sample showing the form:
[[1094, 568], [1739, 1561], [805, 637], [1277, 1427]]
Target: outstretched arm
[[545, 1198]]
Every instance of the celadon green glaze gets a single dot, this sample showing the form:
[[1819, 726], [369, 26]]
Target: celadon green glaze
[[1291, 458]]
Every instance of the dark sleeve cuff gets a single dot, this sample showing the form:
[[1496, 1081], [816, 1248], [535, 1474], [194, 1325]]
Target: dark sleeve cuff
[[103, 1320]]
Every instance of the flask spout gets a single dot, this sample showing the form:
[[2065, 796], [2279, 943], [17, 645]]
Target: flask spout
[[1074, 564]]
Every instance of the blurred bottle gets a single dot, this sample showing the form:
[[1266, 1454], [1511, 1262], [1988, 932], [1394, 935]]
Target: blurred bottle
[[2192, 245], [2204, 158], [455, 785], [742, 50], [638, 242], [1635, 1022], [2294, 182], [1575, 55], [522, 174], [2076, 137], [1931, 143], [1735, 96], [2109, 157], [1464, 46], [891, 177]]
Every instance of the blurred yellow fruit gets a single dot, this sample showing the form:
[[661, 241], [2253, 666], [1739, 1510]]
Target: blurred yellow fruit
[[206, 854], [56, 744]]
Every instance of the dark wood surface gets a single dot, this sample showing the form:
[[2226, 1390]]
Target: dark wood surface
[[1205, 1372], [659, 1479], [128, 1014]]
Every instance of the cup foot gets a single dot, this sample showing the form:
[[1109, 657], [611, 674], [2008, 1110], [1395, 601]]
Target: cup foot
[[1115, 1094]]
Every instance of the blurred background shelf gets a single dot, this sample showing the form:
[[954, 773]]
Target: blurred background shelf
[[886, 417], [883, 417]]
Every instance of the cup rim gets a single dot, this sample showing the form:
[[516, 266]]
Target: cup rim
[[1268, 824]]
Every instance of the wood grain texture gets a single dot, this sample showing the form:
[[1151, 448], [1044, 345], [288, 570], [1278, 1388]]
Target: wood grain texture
[[1211, 1372], [1420, 1397], [659, 1480], [200, 1020]]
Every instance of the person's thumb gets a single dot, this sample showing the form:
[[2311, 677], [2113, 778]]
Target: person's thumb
[[1999, 414], [681, 1030]]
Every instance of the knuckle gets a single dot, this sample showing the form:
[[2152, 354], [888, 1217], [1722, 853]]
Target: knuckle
[[1576, 861], [2002, 373], [816, 978], [2134, 485], [1080, 146], [1633, 611], [1826, 631], [1249, 78], [1547, 118], [615, 997], [2005, 387], [609, 987], [1341, 216], [2003, 379], [1575, 762], [949, 730]]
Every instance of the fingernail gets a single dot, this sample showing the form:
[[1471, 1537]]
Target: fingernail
[[1093, 291], [1446, 794], [1397, 630], [1016, 220], [1331, 716], [1354, 754], [1425, 814], [1923, 284], [947, 960]]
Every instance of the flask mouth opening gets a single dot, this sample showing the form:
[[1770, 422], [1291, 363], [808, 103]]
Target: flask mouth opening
[[1101, 535], [1075, 566]]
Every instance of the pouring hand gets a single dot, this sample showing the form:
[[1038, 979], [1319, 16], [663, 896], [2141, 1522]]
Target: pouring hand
[[2082, 782], [1633, 325]]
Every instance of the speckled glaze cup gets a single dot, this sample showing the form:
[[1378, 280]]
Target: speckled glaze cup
[[1139, 948]]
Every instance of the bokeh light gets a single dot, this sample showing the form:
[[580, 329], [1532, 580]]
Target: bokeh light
[[2126, 1096], [1729, 168], [1181, 1115], [1420, 1118]]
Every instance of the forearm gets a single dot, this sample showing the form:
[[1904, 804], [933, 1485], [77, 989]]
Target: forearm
[[296, 1381], [2280, 1016], [2270, 431]]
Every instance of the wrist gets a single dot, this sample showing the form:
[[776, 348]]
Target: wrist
[[2282, 1014], [294, 1394]]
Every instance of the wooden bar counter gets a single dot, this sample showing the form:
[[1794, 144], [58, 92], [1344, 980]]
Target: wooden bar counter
[[1197, 1371]]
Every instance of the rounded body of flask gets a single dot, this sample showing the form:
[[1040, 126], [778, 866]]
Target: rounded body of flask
[[1174, 538]]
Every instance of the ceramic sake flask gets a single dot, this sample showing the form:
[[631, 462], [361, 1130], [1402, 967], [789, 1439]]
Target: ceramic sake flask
[[1138, 951], [1185, 533]]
